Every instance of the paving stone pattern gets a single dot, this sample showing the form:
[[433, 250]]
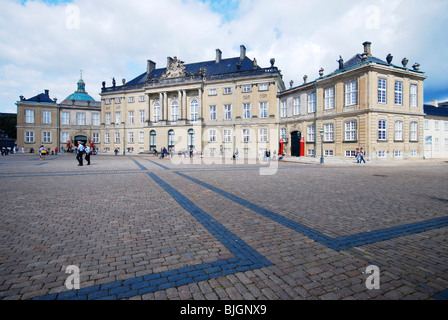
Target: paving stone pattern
[[143, 228]]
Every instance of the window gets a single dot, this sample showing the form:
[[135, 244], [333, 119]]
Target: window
[[398, 130], [351, 93], [131, 100], [398, 93], [329, 153], [117, 137], [436, 125], [329, 132], [108, 118], [310, 152], [283, 133], [263, 134], [413, 131], [212, 135], [227, 133], [142, 116], [350, 153], [29, 116], [96, 137], [65, 118], [382, 154], [263, 87], [329, 98], [131, 117], [227, 91], [413, 97], [246, 135], [131, 137], [106, 137], [80, 119], [382, 90], [46, 137], [263, 110], [64, 137], [212, 112], [29, 136], [142, 98], [117, 117], [156, 115], [246, 110], [46, 117], [174, 111], [351, 131], [212, 92], [107, 101], [382, 130], [312, 103], [414, 153], [194, 110], [247, 88], [95, 119], [117, 100], [398, 154], [152, 140], [227, 112], [296, 107], [171, 137], [311, 133], [141, 137], [283, 109], [426, 124]]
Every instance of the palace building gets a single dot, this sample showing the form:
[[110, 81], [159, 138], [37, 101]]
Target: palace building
[[232, 106], [216, 107], [366, 103]]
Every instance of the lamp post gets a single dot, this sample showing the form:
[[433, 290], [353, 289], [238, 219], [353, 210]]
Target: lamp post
[[321, 146]]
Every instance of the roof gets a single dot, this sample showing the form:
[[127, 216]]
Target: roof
[[435, 111], [213, 68], [80, 94], [40, 98]]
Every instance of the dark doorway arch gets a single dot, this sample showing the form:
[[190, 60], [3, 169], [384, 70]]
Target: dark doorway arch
[[295, 143]]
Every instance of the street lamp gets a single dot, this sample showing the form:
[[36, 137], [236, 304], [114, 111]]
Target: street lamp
[[321, 146]]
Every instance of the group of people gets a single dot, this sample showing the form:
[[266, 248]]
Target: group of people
[[360, 153], [83, 150]]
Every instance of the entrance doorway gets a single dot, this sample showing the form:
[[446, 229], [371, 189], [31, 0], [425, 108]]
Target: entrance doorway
[[295, 143], [83, 140]]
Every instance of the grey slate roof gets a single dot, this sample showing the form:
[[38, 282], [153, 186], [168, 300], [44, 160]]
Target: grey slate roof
[[40, 98], [435, 111]]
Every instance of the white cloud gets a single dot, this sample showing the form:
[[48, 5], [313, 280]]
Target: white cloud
[[44, 47]]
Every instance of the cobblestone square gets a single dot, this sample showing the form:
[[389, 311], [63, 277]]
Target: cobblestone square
[[143, 228]]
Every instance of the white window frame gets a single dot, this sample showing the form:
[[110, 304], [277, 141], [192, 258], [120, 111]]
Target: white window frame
[[227, 112], [80, 119], [399, 130], [212, 92], [329, 98], [117, 138], [328, 132], [108, 117], [312, 103], [29, 136], [131, 137], [246, 135], [107, 137], [413, 131], [118, 117], [65, 136], [46, 117], [296, 107], [156, 112], [263, 135], [264, 107], [46, 137], [130, 117], [398, 93], [413, 100], [212, 112], [382, 90], [351, 130], [246, 110], [382, 130], [65, 118], [142, 116], [174, 111], [131, 100], [194, 109], [141, 137], [29, 116], [351, 93], [96, 119], [246, 88], [227, 90], [311, 133], [263, 87], [96, 137], [227, 135], [212, 135], [283, 109]]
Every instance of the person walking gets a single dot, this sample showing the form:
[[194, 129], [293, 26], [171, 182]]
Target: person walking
[[88, 153], [80, 152], [357, 155], [361, 156]]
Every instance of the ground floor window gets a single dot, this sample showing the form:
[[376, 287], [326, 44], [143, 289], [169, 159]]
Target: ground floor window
[[329, 153], [350, 153]]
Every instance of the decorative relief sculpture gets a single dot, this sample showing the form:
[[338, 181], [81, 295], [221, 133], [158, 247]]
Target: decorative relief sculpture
[[175, 69]]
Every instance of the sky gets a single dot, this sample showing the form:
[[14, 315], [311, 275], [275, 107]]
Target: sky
[[46, 44]]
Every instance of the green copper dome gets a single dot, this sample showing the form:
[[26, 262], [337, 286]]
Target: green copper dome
[[81, 93]]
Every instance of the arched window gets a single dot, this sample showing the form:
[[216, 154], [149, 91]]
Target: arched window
[[156, 112], [170, 139], [194, 110], [152, 140], [174, 111]]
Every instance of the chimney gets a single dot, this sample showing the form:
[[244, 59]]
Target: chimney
[[367, 48], [242, 52], [151, 66], [218, 55], [47, 93]]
